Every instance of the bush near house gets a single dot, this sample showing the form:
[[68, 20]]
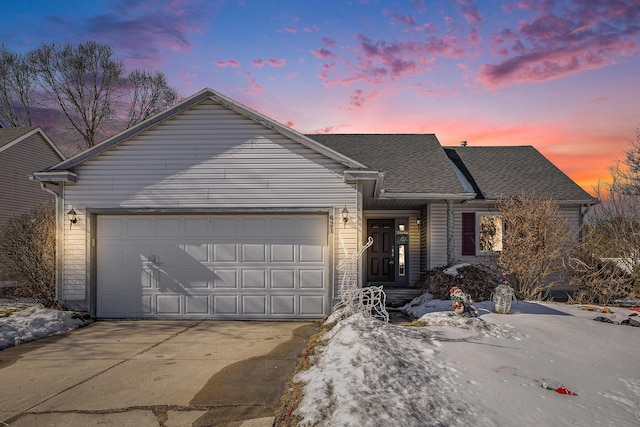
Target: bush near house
[[535, 243], [28, 254], [476, 280]]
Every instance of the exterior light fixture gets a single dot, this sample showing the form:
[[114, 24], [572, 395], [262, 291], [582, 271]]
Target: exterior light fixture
[[418, 222], [72, 217], [345, 215]]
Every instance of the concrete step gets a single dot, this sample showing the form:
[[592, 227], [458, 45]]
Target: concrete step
[[397, 297]]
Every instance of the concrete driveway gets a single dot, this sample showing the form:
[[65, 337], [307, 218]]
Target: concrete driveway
[[152, 373]]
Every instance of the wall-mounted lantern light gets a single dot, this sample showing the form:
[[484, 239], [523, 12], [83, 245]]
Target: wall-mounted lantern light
[[72, 217], [418, 222], [345, 215]]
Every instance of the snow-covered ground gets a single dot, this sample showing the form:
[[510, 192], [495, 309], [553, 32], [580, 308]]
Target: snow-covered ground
[[494, 370], [24, 321]]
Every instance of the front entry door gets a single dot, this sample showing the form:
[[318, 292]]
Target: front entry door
[[381, 255]]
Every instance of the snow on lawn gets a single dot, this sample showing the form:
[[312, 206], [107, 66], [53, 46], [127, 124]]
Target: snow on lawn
[[493, 370], [27, 322]]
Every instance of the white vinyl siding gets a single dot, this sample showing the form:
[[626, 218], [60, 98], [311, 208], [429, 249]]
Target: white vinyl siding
[[438, 235], [205, 159]]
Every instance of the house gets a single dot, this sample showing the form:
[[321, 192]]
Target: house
[[213, 210], [22, 151]]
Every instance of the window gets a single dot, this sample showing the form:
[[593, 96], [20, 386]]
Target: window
[[481, 233], [490, 233]]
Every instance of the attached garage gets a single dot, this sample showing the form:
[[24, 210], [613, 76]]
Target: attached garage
[[214, 266], [206, 210]]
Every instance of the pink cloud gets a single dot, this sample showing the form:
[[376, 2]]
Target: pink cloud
[[289, 124], [229, 63], [407, 20], [323, 53], [290, 30], [469, 10], [563, 40], [292, 76], [254, 88], [359, 97], [142, 31], [329, 42], [277, 62], [258, 63]]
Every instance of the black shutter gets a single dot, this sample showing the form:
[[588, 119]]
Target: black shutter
[[468, 233]]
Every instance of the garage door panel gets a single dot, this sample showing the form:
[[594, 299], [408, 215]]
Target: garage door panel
[[283, 305], [311, 305], [283, 253], [225, 305], [224, 227], [139, 227], [197, 305], [312, 253], [254, 253], [283, 279], [196, 227], [254, 279], [198, 251], [167, 227], [225, 279], [312, 279], [254, 305], [227, 266], [225, 252], [167, 304]]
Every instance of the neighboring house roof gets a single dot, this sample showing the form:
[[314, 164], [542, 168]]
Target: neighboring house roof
[[412, 163], [12, 136], [497, 172], [186, 104]]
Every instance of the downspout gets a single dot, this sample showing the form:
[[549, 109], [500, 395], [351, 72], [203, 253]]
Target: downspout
[[59, 246], [451, 256]]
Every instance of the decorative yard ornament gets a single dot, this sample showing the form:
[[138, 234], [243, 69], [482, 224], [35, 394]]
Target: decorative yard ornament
[[371, 300], [502, 295], [462, 303]]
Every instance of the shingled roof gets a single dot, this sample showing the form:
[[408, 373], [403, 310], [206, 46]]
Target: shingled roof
[[497, 172], [8, 135], [412, 163]]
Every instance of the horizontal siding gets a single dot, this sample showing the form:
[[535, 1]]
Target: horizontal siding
[[207, 157], [18, 194], [438, 229], [571, 214]]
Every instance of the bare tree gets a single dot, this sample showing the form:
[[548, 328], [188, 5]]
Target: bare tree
[[606, 265], [17, 86], [535, 239], [625, 174], [82, 82], [151, 94]]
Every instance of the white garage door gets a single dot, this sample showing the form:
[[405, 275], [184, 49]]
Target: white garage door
[[220, 266]]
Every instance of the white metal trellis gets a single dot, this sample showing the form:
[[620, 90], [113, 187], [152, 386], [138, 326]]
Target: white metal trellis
[[369, 301]]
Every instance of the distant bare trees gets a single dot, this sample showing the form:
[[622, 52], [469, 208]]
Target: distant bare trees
[[606, 266], [85, 83]]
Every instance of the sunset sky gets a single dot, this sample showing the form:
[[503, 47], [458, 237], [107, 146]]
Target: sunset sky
[[563, 76]]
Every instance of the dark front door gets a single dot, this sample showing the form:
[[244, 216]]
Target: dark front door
[[380, 255]]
